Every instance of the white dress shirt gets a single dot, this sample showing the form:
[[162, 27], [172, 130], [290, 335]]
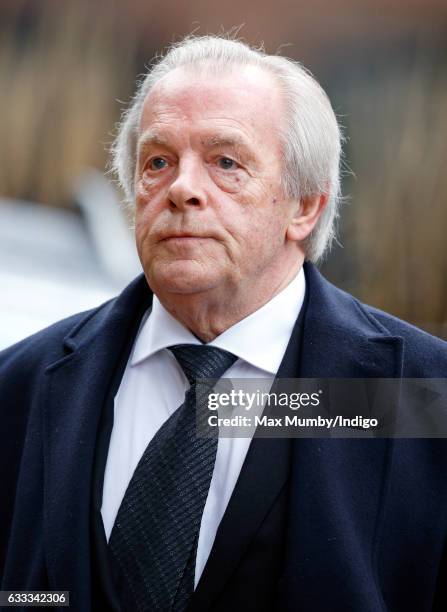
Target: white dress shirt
[[153, 387]]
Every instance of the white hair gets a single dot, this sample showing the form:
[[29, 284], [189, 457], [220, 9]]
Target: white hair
[[311, 137]]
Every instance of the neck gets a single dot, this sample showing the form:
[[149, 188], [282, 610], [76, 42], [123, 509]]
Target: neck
[[209, 314]]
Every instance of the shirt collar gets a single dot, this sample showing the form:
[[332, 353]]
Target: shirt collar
[[260, 339]]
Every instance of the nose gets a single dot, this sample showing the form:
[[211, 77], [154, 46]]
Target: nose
[[187, 189]]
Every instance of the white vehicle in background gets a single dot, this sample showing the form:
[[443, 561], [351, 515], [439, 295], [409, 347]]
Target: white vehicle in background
[[56, 262]]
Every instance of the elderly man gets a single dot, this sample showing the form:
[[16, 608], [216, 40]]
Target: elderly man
[[231, 160]]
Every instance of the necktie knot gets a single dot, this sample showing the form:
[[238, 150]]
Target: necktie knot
[[202, 361]]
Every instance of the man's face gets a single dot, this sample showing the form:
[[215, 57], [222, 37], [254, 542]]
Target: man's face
[[210, 210]]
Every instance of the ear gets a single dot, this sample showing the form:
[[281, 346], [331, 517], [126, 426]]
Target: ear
[[307, 213]]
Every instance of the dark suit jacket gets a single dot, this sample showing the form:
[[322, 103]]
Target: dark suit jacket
[[365, 526]]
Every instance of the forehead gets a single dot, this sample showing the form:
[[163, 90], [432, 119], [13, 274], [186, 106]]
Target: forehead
[[242, 100]]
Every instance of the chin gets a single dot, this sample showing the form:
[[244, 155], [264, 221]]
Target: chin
[[181, 277]]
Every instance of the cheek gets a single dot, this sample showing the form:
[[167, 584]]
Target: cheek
[[265, 227], [141, 232], [148, 189], [147, 218], [150, 200]]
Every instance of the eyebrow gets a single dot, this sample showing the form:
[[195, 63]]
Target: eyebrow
[[224, 141], [152, 137]]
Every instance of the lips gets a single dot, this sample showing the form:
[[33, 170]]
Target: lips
[[183, 236]]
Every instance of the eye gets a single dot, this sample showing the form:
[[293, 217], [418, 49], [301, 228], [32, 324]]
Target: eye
[[158, 163], [226, 163]]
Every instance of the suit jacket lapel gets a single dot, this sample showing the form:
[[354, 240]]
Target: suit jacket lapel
[[76, 391]]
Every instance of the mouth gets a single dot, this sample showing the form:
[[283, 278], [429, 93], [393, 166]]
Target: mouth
[[183, 237]]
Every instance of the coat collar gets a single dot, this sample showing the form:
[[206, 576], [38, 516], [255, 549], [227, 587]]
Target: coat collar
[[342, 339], [109, 323]]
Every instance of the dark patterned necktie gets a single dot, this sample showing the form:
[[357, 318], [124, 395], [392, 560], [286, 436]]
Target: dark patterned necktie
[[154, 539]]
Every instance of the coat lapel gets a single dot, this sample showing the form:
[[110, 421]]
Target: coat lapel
[[76, 389], [338, 486], [334, 338]]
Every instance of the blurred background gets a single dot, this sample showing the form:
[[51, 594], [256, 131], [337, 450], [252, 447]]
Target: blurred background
[[68, 68]]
